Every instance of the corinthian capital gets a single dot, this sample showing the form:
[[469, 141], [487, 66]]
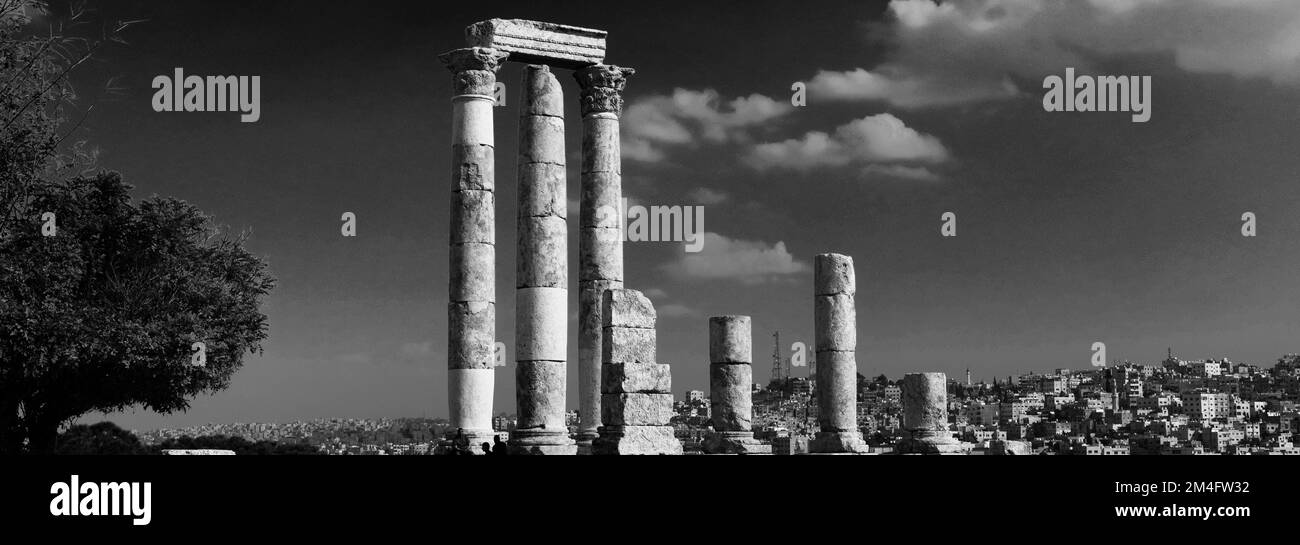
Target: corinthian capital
[[601, 88], [474, 69]]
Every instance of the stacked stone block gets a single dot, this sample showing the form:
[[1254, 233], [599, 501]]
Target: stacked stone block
[[636, 391]]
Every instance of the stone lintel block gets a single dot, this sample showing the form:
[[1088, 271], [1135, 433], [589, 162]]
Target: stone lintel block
[[833, 275], [636, 409], [730, 340], [628, 378], [627, 345], [471, 340], [539, 42], [627, 308], [636, 440]]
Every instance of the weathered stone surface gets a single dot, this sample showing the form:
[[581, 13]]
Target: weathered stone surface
[[542, 190], [600, 200], [473, 167], [590, 295], [471, 331], [833, 275], [627, 345], [536, 442], [542, 94], [730, 340], [543, 253], [734, 443], [636, 440], [835, 322], [471, 401], [600, 145], [846, 442], [730, 401], [539, 42], [473, 217], [925, 401], [837, 391], [197, 452], [627, 378], [541, 139], [539, 395], [600, 254], [473, 272], [636, 409], [542, 324], [627, 308]]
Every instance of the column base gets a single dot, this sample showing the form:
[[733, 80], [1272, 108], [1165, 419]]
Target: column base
[[734, 442], [473, 442], [584, 439], [636, 440], [542, 442], [839, 442], [932, 442]]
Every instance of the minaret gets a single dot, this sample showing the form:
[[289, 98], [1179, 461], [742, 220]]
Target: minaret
[[968, 384]]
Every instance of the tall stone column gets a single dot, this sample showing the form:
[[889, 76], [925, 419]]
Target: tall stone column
[[542, 274], [836, 340], [731, 376], [925, 415], [471, 307], [600, 237]]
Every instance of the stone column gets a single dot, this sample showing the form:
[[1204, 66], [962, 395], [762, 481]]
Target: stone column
[[600, 237], [731, 377], [836, 340], [471, 308], [542, 274], [925, 415]]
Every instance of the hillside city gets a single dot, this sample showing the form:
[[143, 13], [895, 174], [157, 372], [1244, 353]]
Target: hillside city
[[1178, 407]]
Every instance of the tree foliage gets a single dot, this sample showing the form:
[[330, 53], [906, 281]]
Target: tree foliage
[[105, 313]]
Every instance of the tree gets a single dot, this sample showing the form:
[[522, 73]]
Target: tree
[[105, 313], [101, 438], [111, 311]]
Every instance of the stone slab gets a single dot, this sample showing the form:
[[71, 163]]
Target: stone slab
[[540, 42], [636, 409], [627, 345], [627, 378], [636, 440]]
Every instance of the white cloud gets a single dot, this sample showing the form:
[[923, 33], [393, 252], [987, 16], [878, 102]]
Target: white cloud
[[687, 117], [903, 172], [872, 139], [417, 350], [705, 196], [750, 262], [964, 51]]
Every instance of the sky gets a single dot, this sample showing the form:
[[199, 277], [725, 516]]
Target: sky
[[1072, 227]]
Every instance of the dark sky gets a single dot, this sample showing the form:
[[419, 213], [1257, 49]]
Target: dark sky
[[1072, 227]]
